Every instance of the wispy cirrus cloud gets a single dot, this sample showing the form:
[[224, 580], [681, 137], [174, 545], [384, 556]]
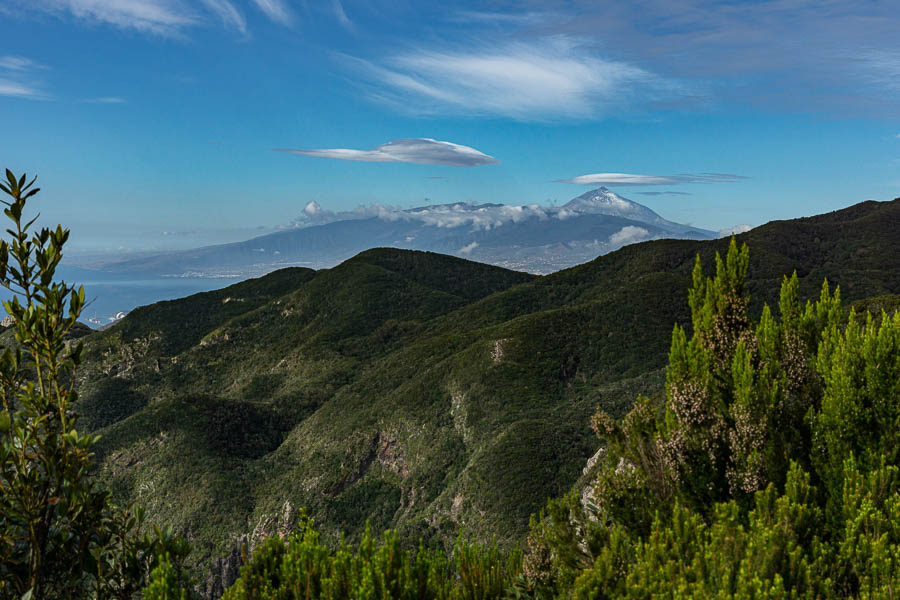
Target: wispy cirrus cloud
[[19, 63], [105, 100], [230, 16], [543, 79], [527, 18], [17, 78], [169, 18], [832, 56], [425, 151], [629, 179], [880, 69], [162, 17], [18, 89], [341, 15], [276, 10], [665, 193]]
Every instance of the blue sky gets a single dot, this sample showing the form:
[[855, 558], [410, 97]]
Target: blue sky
[[178, 123]]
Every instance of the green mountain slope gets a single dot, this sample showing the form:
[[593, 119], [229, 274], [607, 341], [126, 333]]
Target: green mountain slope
[[415, 390]]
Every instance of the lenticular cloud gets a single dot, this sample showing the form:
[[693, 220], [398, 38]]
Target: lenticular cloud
[[424, 151]]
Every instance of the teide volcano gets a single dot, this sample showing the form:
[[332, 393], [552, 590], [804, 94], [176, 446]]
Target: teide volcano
[[532, 238]]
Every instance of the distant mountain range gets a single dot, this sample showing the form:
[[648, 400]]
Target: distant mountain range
[[531, 238]]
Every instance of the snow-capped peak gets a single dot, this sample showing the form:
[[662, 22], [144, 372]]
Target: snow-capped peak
[[604, 202]]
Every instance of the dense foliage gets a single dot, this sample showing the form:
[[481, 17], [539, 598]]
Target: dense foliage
[[769, 469], [302, 567]]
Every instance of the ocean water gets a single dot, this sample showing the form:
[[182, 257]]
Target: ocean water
[[110, 299]]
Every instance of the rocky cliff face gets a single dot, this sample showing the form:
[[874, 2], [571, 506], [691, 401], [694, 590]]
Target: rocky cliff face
[[225, 570]]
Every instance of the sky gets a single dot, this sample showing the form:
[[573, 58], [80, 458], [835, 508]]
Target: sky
[[162, 124]]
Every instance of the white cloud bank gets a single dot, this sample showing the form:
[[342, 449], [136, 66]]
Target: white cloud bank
[[477, 217], [424, 151], [488, 217]]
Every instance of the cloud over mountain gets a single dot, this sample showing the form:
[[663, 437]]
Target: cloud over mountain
[[475, 216], [628, 235], [737, 229]]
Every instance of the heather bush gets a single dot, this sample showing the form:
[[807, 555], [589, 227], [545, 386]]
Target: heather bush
[[767, 470]]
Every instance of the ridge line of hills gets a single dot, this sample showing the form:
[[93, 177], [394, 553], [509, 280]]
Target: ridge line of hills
[[420, 391]]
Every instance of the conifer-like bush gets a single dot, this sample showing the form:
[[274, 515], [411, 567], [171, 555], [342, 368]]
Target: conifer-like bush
[[767, 469], [737, 396], [302, 567]]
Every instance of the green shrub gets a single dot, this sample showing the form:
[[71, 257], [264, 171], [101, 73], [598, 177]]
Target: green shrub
[[302, 567], [60, 533], [166, 582]]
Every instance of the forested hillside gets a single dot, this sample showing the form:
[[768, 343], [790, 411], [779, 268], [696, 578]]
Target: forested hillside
[[768, 469], [415, 390]]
